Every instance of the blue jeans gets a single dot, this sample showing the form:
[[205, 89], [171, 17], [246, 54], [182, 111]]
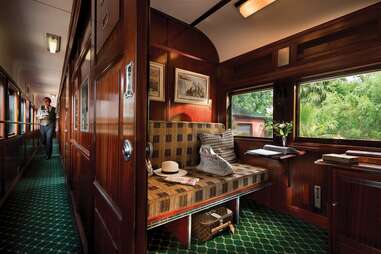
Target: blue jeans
[[47, 138]]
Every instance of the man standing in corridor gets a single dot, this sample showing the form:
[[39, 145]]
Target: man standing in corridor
[[47, 116]]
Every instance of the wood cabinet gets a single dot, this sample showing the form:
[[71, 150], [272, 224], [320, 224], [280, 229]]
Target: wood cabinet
[[355, 208]]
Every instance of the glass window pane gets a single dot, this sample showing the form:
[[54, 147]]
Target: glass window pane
[[12, 113], [22, 117], [342, 108], [2, 106], [250, 113]]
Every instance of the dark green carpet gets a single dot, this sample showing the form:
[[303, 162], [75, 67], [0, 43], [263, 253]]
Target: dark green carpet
[[261, 230], [37, 217]]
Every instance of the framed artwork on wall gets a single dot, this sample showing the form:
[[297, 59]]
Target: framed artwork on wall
[[191, 87], [156, 82], [75, 110], [84, 107]]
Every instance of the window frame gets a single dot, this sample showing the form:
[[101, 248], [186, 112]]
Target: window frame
[[257, 88], [329, 141]]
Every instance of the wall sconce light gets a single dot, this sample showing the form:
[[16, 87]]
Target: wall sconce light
[[54, 43], [249, 7]]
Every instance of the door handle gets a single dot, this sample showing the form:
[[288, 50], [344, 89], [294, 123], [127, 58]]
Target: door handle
[[149, 150], [127, 150]]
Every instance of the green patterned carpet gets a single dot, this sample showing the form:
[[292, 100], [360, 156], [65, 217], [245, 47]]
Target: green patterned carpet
[[261, 230], [37, 217]]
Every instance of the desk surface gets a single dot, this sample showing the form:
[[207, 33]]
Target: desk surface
[[360, 166]]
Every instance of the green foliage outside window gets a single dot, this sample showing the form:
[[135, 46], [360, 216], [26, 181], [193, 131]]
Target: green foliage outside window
[[342, 108]]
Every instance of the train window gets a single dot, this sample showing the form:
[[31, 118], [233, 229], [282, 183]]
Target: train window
[[22, 116], [250, 111], [12, 111], [31, 117], [346, 108], [2, 107]]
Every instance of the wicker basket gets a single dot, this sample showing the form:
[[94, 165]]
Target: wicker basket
[[205, 225]]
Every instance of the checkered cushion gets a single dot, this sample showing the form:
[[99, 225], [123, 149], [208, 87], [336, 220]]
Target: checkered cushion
[[164, 197], [178, 141]]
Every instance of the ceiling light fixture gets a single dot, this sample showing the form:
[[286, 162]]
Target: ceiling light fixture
[[54, 43], [249, 7]]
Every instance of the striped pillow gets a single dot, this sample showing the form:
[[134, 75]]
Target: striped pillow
[[222, 144]]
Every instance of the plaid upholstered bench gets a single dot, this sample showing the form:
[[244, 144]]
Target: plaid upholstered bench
[[172, 204]]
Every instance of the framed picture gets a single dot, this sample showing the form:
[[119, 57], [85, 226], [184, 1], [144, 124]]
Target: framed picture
[[75, 110], [191, 87], [156, 82], [84, 107]]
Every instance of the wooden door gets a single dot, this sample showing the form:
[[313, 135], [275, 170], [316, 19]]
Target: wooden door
[[120, 40], [356, 212]]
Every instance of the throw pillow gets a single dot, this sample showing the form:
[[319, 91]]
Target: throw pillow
[[222, 144]]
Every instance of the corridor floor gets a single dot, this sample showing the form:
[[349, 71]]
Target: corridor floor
[[37, 217]]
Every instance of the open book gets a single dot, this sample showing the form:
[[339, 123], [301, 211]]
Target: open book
[[271, 150]]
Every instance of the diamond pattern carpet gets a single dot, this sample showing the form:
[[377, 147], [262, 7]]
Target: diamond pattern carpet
[[261, 230], [37, 217]]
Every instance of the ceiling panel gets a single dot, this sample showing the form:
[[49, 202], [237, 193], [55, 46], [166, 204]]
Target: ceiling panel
[[26, 57], [184, 10]]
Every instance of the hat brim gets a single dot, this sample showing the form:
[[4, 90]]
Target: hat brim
[[182, 172]]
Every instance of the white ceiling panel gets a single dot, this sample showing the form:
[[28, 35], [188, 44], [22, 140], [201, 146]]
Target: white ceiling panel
[[25, 24], [184, 10]]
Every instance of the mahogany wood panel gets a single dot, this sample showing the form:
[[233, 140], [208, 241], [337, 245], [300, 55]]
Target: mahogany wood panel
[[108, 174], [177, 45], [15, 152], [357, 212], [107, 16]]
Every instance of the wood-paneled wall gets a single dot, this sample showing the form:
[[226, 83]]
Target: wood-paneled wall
[[17, 150], [177, 45], [341, 46], [75, 143]]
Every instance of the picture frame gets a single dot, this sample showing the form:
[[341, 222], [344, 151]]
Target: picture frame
[[84, 106], [156, 90], [191, 87]]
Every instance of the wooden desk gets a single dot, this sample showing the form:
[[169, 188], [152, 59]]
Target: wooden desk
[[284, 159], [354, 209]]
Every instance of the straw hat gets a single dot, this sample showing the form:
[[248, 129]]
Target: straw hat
[[170, 168]]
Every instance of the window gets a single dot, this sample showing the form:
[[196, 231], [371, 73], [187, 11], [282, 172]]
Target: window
[[85, 106], [250, 113], [341, 108], [22, 116], [12, 112], [31, 117], [2, 107]]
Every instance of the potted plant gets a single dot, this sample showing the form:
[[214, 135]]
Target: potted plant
[[282, 129]]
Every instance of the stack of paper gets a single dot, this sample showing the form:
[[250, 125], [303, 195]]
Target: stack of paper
[[263, 152]]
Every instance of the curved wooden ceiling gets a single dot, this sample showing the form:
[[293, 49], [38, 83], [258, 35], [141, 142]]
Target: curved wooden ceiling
[[233, 35]]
